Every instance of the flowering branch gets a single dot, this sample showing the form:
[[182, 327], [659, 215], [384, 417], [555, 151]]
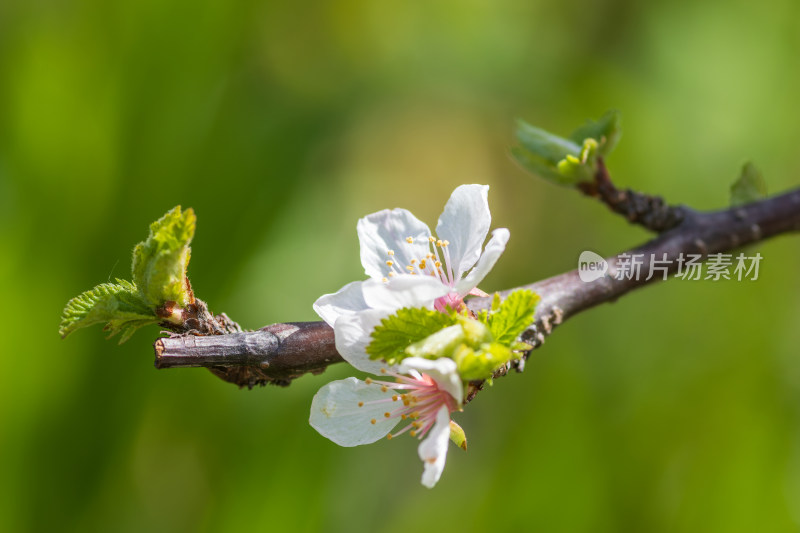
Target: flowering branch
[[419, 323], [278, 353]]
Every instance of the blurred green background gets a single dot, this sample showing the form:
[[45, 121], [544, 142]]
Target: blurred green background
[[675, 409]]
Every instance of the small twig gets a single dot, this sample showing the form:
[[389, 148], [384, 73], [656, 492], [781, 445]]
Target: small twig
[[280, 352], [650, 212]]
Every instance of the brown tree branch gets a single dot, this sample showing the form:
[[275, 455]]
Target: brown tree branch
[[281, 352], [651, 212]]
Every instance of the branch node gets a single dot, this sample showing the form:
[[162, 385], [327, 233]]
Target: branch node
[[650, 212]]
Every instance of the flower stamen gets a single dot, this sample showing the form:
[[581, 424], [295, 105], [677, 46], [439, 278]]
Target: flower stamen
[[419, 404]]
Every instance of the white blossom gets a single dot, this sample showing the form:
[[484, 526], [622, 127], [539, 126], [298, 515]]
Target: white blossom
[[424, 392], [407, 267]]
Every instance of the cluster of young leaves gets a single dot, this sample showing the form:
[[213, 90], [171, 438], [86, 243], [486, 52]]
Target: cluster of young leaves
[[571, 160], [478, 345], [159, 280]]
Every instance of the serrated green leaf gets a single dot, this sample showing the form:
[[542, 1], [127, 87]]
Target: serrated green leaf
[[749, 187], [607, 131], [160, 261], [513, 316], [118, 305], [404, 328]]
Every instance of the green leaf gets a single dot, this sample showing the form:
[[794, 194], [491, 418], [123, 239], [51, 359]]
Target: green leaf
[[160, 262], [567, 161], [607, 131], [521, 347], [119, 305], [475, 332], [481, 363], [496, 301], [439, 344], [458, 436], [749, 187], [544, 144], [404, 328], [539, 166], [513, 316]]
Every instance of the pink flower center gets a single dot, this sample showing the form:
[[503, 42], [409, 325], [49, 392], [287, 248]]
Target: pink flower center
[[451, 300], [418, 405]]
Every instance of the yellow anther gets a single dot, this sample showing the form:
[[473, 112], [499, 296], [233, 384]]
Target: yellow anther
[[384, 280], [383, 370], [373, 421], [390, 252], [406, 402], [368, 381], [445, 243], [361, 404], [389, 436], [389, 263], [410, 240], [422, 264], [384, 388], [416, 424], [412, 433], [403, 417], [432, 239], [410, 268], [395, 397], [387, 415], [391, 274], [439, 243], [413, 261]]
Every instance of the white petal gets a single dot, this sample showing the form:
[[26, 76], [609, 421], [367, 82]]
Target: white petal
[[442, 370], [353, 335], [348, 300], [494, 249], [388, 230], [433, 450], [403, 291], [336, 415], [465, 223]]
